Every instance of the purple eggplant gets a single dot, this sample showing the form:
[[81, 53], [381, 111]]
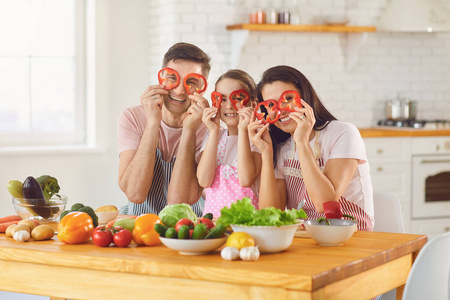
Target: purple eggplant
[[32, 191]]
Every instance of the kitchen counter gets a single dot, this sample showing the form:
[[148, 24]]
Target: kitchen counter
[[384, 131]]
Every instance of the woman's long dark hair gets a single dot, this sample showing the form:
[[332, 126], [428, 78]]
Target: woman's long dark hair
[[291, 75]]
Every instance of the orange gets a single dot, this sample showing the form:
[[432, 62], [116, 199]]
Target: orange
[[240, 240]]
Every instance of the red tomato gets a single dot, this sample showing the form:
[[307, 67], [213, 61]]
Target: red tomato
[[182, 222], [102, 237], [122, 238], [208, 223]]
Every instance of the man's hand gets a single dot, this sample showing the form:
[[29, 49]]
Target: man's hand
[[152, 100], [195, 111]]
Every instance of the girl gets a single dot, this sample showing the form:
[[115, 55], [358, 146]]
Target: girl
[[308, 155], [236, 165]]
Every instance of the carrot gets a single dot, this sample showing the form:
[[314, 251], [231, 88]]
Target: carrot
[[10, 219], [5, 225]]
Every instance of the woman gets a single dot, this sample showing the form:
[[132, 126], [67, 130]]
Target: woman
[[308, 155]]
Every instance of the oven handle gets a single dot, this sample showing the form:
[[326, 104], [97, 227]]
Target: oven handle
[[427, 161]]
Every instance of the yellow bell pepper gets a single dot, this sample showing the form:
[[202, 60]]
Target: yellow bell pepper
[[75, 228], [144, 232]]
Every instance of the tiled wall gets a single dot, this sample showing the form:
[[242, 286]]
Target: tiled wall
[[416, 65]]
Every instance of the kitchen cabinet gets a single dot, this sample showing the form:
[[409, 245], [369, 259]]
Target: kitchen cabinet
[[355, 35], [431, 227]]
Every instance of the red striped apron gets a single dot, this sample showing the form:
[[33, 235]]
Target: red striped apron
[[296, 192]]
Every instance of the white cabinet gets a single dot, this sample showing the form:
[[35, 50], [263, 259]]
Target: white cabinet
[[390, 170], [430, 227]]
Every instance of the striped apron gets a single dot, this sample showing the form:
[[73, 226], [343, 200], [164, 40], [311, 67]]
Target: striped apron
[[296, 192], [157, 196]]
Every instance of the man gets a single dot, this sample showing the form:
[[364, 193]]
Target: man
[[159, 141]]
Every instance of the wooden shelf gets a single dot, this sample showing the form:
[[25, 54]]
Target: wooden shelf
[[300, 28]]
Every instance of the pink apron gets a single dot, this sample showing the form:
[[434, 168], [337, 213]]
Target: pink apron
[[296, 192], [225, 188]]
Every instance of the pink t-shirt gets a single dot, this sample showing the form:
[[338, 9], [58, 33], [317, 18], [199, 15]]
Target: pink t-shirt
[[338, 140], [130, 128]]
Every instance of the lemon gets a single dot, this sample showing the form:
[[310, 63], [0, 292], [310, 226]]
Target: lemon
[[106, 208], [240, 240]]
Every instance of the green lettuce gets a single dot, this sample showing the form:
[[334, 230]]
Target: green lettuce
[[170, 214], [242, 212]]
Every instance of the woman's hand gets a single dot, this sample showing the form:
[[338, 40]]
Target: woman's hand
[[211, 118], [305, 123], [152, 101], [245, 115], [259, 135]]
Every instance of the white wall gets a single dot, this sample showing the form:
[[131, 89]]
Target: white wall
[[133, 35]]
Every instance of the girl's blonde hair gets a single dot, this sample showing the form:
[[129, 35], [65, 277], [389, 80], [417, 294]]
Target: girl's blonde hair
[[244, 79]]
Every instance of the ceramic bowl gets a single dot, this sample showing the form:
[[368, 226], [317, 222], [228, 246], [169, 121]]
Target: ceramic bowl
[[40, 209], [270, 239], [335, 234], [193, 247]]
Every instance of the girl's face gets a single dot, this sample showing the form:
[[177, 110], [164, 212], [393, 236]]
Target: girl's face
[[273, 91], [228, 114]]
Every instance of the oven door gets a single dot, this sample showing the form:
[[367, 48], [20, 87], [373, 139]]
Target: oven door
[[431, 186]]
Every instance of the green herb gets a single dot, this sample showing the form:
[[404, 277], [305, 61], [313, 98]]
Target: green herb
[[243, 212]]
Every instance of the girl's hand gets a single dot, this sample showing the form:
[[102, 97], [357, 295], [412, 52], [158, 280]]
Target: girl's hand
[[259, 135], [152, 102], [245, 115], [305, 123], [211, 118]]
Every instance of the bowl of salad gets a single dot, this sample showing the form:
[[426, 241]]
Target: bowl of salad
[[272, 229]]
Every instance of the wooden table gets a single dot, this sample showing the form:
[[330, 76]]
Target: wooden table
[[368, 264]]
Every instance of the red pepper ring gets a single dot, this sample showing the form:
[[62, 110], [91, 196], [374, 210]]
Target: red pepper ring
[[289, 100], [196, 77], [269, 106], [240, 96], [216, 99], [170, 76]]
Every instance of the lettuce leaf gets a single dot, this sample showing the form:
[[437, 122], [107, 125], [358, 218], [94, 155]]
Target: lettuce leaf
[[242, 212]]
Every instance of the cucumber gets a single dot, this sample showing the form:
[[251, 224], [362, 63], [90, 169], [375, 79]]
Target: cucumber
[[183, 232], [171, 233], [208, 216], [216, 232], [161, 229], [200, 231]]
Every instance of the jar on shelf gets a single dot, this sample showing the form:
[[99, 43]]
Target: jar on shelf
[[272, 16], [284, 16], [261, 16]]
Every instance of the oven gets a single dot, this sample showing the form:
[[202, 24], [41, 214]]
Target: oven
[[431, 178]]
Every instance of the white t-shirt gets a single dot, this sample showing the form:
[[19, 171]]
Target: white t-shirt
[[338, 140]]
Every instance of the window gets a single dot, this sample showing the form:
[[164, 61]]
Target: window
[[42, 73]]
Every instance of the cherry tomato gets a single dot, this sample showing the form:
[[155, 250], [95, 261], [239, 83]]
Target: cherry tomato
[[102, 237], [208, 223], [182, 222], [122, 238]]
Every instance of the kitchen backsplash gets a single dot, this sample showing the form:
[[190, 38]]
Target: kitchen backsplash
[[417, 65]]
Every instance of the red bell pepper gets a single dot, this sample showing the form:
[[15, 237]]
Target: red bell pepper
[[195, 83], [169, 78], [270, 106], [333, 210], [239, 98], [216, 99], [289, 100]]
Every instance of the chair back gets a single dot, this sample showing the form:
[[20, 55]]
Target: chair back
[[429, 277], [388, 213]]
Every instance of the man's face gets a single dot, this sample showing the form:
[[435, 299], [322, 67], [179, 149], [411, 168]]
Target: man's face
[[177, 102]]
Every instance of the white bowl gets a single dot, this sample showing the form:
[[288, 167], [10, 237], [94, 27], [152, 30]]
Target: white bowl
[[334, 234], [270, 239], [193, 247], [106, 216], [336, 20]]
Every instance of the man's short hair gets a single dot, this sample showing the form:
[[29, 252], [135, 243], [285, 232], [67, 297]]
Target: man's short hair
[[189, 52]]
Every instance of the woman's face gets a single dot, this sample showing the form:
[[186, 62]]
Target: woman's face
[[273, 91], [228, 114]]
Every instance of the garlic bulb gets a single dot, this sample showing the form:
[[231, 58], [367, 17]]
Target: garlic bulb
[[249, 253], [21, 236], [229, 253]]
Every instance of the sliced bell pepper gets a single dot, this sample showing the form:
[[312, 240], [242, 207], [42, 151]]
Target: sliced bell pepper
[[169, 78], [195, 83], [216, 99], [267, 108], [239, 98], [289, 100], [144, 232], [333, 210], [75, 228]]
